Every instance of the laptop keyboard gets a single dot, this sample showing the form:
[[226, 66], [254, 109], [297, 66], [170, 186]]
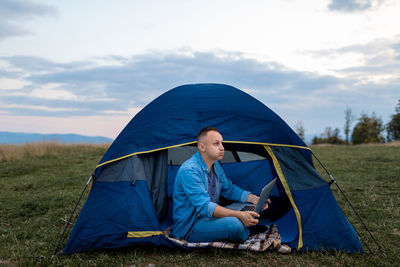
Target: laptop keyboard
[[248, 208]]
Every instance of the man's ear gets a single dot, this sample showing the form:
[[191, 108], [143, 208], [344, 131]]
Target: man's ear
[[200, 146]]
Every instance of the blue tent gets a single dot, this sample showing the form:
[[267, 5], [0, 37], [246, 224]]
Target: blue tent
[[131, 195]]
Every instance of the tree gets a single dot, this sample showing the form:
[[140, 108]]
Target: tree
[[368, 130], [348, 117], [393, 127], [329, 136], [299, 128]]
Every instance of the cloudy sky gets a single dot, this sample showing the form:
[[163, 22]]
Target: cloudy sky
[[87, 67]]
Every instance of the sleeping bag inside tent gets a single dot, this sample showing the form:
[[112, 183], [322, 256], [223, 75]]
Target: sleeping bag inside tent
[[130, 201]]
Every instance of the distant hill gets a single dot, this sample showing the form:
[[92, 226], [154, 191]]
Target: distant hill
[[23, 138]]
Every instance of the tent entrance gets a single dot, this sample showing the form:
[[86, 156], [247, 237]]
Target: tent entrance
[[250, 167]]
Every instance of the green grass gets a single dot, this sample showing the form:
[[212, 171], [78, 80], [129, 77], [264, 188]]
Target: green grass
[[38, 193]]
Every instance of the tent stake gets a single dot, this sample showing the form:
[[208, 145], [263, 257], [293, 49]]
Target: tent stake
[[351, 205], [69, 220]]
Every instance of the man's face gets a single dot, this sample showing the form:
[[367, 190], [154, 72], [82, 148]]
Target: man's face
[[211, 146]]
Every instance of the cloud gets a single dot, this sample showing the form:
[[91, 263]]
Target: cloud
[[135, 81], [37, 64], [11, 84], [353, 5], [113, 86], [15, 13], [377, 60]]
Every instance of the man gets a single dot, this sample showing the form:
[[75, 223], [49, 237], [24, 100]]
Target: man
[[199, 183]]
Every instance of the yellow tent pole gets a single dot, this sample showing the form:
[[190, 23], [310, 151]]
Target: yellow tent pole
[[288, 193]]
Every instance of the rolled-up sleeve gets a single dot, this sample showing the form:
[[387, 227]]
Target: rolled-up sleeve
[[245, 196], [211, 208]]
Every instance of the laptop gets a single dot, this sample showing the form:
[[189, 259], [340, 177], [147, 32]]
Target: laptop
[[265, 192]]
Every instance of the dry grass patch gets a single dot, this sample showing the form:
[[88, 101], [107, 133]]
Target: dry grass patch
[[18, 152], [393, 143]]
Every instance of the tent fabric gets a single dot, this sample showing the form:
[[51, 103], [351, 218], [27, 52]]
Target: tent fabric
[[105, 222], [286, 187], [294, 167], [154, 166], [324, 224], [178, 115], [149, 168], [130, 201], [258, 173]]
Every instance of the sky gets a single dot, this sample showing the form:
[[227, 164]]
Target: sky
[[87, 67]]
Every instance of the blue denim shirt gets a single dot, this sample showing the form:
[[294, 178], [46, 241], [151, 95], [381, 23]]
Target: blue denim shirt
[[191, 200]]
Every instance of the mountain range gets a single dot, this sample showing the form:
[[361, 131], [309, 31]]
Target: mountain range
[[23, 138]]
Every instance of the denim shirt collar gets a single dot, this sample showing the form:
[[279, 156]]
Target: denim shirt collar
[[203, 165]]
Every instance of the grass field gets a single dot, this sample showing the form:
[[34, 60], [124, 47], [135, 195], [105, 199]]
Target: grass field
[[40, 183]]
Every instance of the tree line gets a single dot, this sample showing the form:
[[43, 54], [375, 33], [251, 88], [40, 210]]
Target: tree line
[[368, 129]]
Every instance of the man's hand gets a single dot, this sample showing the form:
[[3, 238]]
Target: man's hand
[[247, 218], [266, 204], [254, 199]]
